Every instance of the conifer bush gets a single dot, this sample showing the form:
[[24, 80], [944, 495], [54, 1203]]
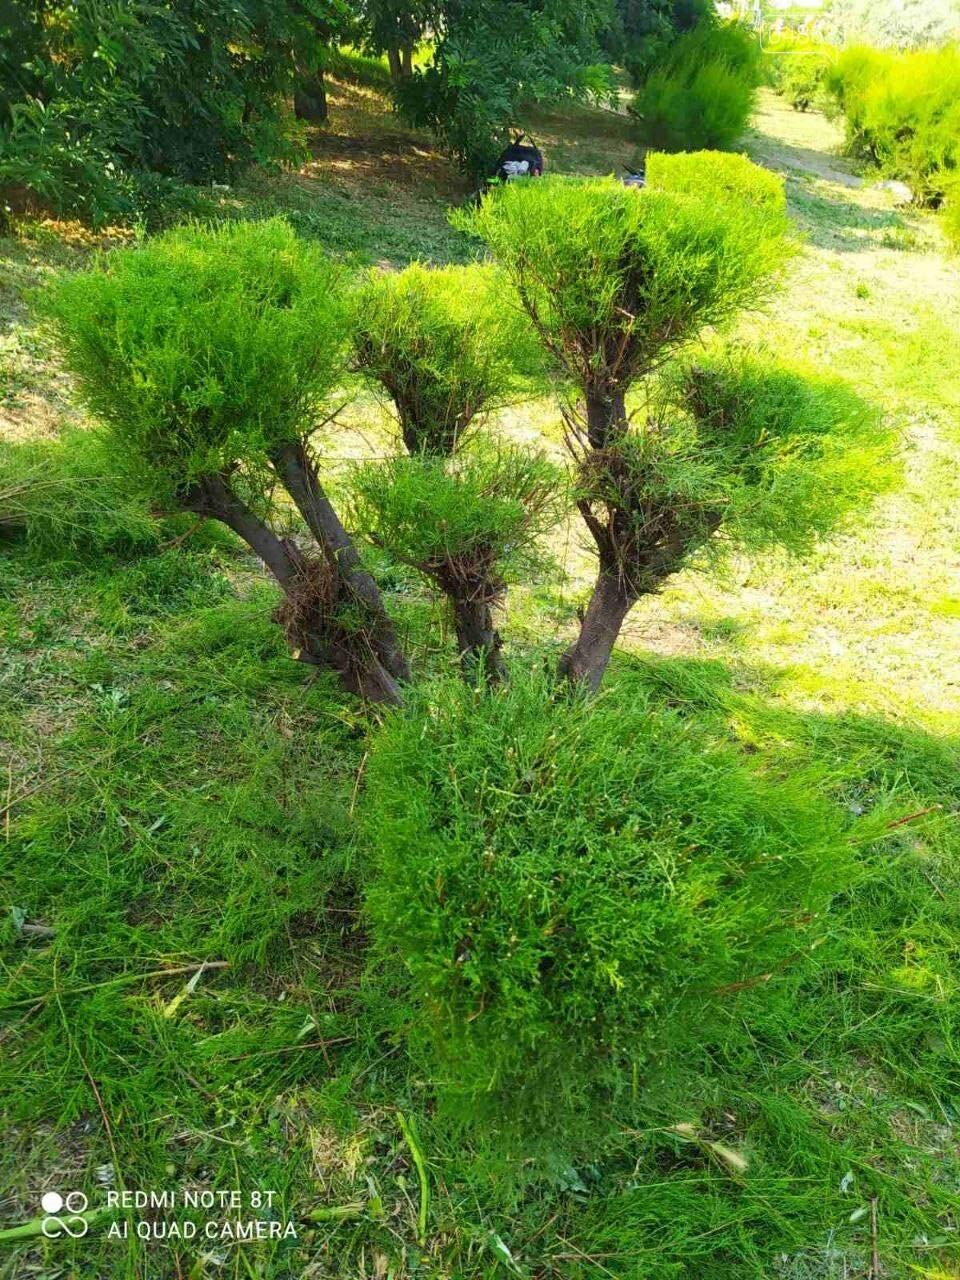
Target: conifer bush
[[562, 891], [794, 454], [441, 345], [446, 345], [470, 525], [615, 280], [206, 355], [902, 111], [703, 91]]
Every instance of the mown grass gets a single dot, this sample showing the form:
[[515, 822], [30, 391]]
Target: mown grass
[[177, 794]]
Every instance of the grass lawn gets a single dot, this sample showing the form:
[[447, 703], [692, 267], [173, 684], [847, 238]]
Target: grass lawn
[[184, 1003]]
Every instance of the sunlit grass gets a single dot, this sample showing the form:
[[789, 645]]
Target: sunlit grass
[[175, 792]]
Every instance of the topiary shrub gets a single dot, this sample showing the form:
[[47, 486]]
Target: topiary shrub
[[446, 347], [703, 92], [728, 177], [614, 280], [206, 355], [443, 347], [793, 454], [469, 525], [563, 892]]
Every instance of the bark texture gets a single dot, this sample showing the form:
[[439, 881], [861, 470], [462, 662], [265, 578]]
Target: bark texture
[[295, 467], [306, 598]]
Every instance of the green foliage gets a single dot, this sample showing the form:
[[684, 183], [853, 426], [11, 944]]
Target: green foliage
[[203, 346], [561, 889], [702, 93], [613, 277], [488, 505], [902, 112], [951, 212], [443, 344], [800, 78], [731, 178], [795, 454], [66, 496], [106, 93], [494, 56]]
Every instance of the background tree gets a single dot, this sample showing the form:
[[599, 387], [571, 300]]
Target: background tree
[[394, 28], [492, 56], [106, 100]]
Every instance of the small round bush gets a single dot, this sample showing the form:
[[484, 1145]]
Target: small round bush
[[719, 174], [444, 346], [563, 890], [203, 346], [489, 504]]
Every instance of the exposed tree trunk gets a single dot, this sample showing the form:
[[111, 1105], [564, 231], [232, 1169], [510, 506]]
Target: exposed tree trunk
[[406, 61], [586, 659], [310, 98], [295, 467], [478, 639], [213, 498], [606, 417], [395, 63]]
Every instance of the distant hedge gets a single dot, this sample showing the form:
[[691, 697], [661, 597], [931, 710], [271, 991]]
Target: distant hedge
[[902, 112]]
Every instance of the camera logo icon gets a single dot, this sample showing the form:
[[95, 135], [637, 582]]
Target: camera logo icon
[[63, 1215]]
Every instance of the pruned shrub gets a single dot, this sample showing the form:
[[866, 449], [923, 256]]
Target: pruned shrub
[[470, 525], [442, 345], [725, 176], [614, 280], [703, 92], [563, 891], [796, 454], [206, 355], [202, 347]]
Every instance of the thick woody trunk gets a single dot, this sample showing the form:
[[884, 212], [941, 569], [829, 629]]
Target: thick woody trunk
[[478, 639], [396, 64], [299, 475], [310, 99], [606, 418], [586, 659], [214, 499], [406, 61]]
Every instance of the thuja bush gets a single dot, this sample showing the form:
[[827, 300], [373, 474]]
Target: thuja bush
[[563, 891], [794, 455], [470, 525], [615, 280], [703, 92], [723, 176], [441, 345], [445, 346], [206, 355]]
